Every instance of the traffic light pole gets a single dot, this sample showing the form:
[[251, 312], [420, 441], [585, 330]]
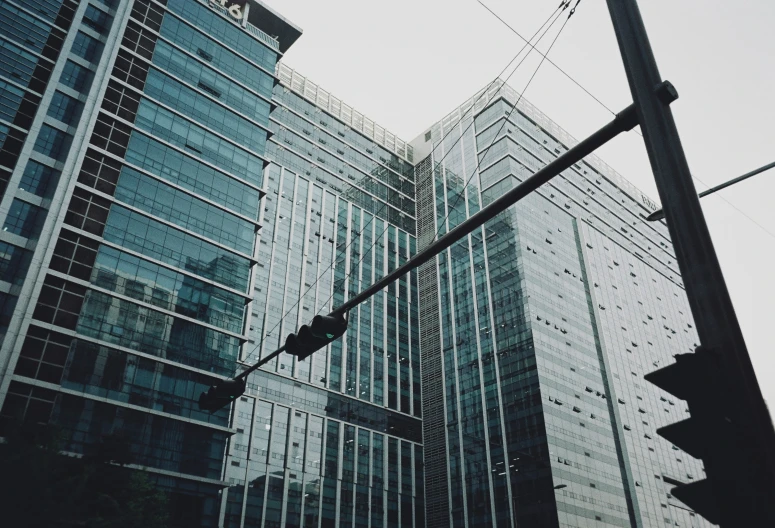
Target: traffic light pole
[[258, 364], [624, 121], [743, 482]]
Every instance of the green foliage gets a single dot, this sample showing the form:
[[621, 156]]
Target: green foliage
[[43, 488]]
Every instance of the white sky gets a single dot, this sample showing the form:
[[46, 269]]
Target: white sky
[[407, 63]]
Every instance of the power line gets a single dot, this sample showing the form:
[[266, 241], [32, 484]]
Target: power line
[[565, 2], [574, 81], [739, 210], [514, 107], [343, 254], [601, 103], [564, 5]]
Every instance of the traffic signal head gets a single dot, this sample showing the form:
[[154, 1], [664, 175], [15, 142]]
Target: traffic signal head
[[708, 434], [221, 394], [310, 338], [328, 326]]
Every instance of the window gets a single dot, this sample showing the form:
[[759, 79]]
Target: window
[[111, 135], [16, 63], [64, 108], [95, 19], [14, 262], [10, 99], [24, 219], [59, 302], [37, 178], [74, 255], [87, 211], [53, 143], [43, 355], [86, 47], [76, 77]]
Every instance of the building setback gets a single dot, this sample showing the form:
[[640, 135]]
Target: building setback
[[175, 202]]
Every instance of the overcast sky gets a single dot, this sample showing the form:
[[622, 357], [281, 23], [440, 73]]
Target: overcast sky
[[407, 63]]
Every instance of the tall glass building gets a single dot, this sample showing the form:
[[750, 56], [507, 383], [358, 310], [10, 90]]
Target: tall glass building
[[537, 330], [133, 152], [175, 202], [160, 229], [334, 440]]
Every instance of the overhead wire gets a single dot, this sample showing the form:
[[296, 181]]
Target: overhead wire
[[343, 254], [506, 120], [601, 103], [550, 61], [739, 210], [453, 128], [458, 139]]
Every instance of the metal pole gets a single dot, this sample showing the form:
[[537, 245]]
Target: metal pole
[[624, 121], [258, 364], [742, 481], [660, 214]]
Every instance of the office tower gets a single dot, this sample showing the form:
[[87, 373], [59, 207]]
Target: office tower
[[175, 202], [133, 157], [537, 329], [152, 245], [335, 439]]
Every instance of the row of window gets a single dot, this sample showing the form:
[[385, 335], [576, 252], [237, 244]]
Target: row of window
[[185, 210], [184, 134], [217, 56], [174, 61], [168, 163]]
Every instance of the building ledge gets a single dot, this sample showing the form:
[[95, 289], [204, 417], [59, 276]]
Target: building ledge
[[274, 24]]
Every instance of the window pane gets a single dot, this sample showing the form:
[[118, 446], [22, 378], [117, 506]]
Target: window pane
[[38, 178], [24, 219], [76, 77], [65, 108], [14, 262], [52, 142], [86, 47]]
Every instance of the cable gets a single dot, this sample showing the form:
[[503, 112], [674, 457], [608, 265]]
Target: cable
[[566, 74], [547, 59], [563, 5], [458, 140], [514, 107]]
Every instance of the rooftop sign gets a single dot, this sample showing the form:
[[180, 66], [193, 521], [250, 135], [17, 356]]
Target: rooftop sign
[[235, 10]]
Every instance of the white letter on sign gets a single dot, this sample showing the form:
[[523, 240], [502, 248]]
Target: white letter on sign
[[235, 11]]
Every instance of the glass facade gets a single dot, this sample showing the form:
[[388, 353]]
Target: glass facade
[[334, 440], [175, 202], [31, 40], [192, 235], [131, 180], [537, 331]]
